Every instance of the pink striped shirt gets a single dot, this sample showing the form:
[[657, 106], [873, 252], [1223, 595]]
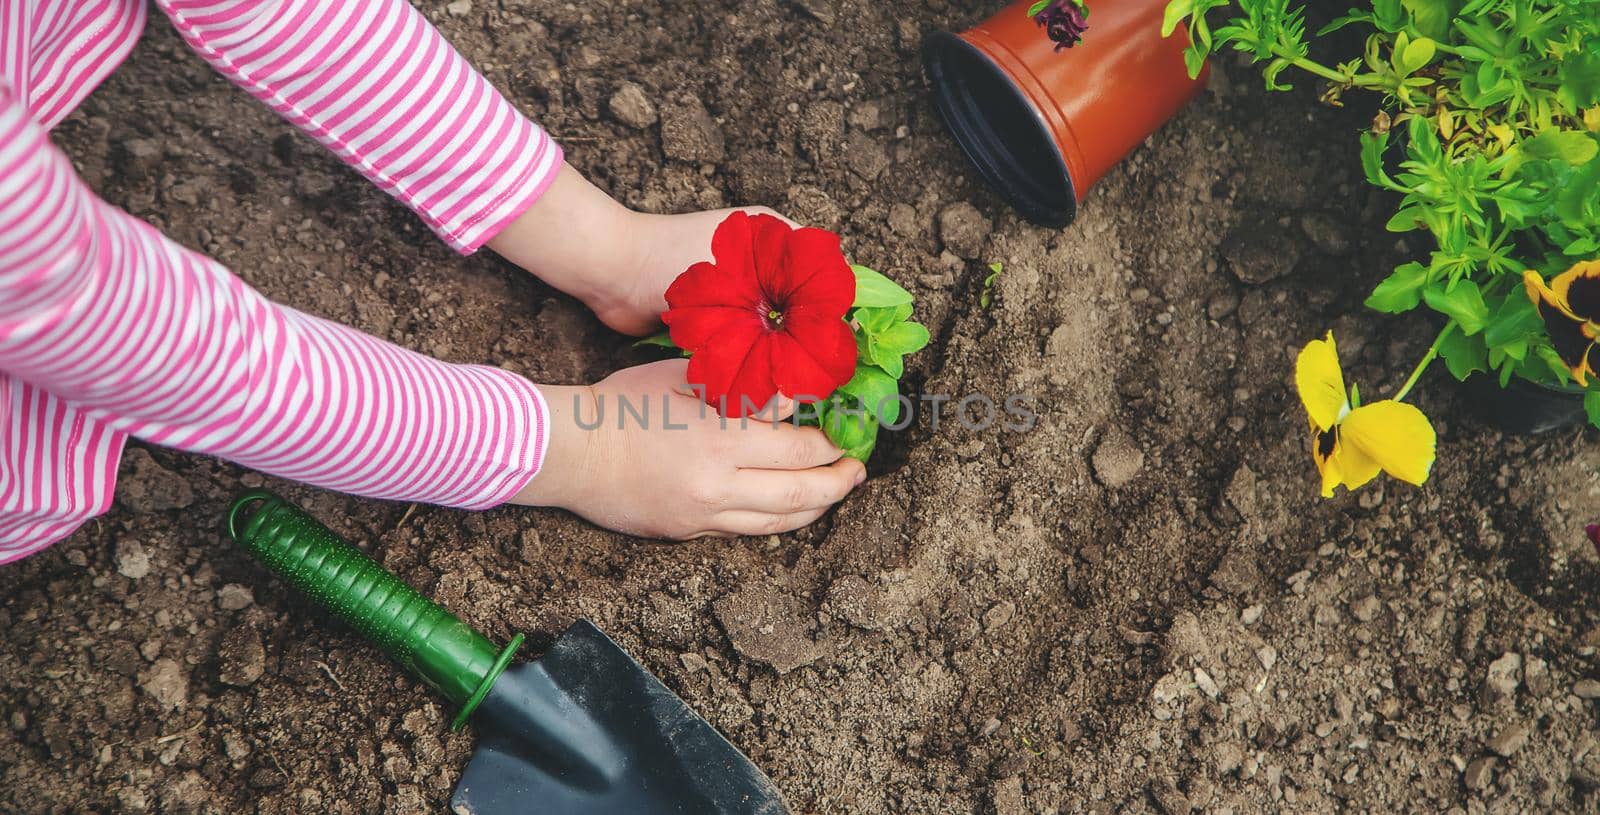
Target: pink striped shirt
[[109, 329]]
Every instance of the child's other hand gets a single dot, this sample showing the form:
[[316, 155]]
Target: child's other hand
[[617, 261], [666, 245], [692, 477]]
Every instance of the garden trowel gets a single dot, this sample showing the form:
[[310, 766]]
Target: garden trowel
[[582, 729]]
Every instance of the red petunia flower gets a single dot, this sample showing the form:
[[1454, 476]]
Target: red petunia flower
[[767, 316]]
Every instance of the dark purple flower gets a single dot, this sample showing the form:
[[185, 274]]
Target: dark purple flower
[[1593, 531], [1063, 22]]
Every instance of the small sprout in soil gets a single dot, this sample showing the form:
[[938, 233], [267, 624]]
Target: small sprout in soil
[[987, 295]]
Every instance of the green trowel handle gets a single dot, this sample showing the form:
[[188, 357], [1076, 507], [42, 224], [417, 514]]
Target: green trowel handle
[[432, 643]]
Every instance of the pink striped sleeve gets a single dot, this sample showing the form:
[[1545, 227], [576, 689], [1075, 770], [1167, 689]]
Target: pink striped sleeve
[[375, 82], [117, 329]]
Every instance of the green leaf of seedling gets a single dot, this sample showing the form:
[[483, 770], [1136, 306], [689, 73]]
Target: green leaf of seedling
[[1462, 302], [849, 426], [1581, 247], [876, 320], [1407, 219], [1175, 12], [1400, 291], [1580, 80], [884, 336], [1033, 10], [1591, 406], [873, 290], [1410, 57], [1580, 198], [892, 363], [887, 348], [903, 338], [1463, 354], [1373, 146], [1388, 15], [866, 350], [1567, 146], [1194, 60], [1431, 18], [1518, 203], [1514, 322], [1553, 362], [660, 339], [1574, 147], [1350, 18], [1422, 143], [1396, 55], [987, 295], [1515, 351], [876, 391]]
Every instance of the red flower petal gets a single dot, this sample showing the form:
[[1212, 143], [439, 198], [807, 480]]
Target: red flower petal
[[718, 364], [833, 346], [692, 327], [832, 290], [705, 284], [807, 252], [814, 357], [769, 239], [732, 242], [753, 388]]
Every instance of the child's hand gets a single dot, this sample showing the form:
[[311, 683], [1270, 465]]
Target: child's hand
[[617, 261], [666, 245], [694, 476]]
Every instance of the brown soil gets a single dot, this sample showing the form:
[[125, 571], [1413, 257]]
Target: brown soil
[[1139, 606]]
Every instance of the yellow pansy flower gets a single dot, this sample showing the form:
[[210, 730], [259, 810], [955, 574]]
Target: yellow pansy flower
[[1570, 307], [1352, 444]]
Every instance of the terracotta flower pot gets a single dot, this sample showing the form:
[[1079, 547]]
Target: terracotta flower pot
[[1043, 125]]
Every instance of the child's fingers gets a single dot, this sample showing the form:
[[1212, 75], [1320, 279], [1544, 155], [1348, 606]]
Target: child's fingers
[[781, 407], [766, 523], [708, 533], [784, 447], [784, 492], [778, 409]]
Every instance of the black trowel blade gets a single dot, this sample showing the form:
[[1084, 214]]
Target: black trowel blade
[[586, 729]]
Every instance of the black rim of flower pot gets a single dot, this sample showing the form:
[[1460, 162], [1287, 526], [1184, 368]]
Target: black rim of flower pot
[[1000, 130], [1526, 407]]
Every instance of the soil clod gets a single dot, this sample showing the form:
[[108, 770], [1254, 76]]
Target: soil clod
[[632, 107], [242, 656], [688, 133], [1117, 460], [963, 229], [768, 627]]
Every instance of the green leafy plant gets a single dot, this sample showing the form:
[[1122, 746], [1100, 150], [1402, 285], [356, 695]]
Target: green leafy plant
[[1486, 133], [885, 334]]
